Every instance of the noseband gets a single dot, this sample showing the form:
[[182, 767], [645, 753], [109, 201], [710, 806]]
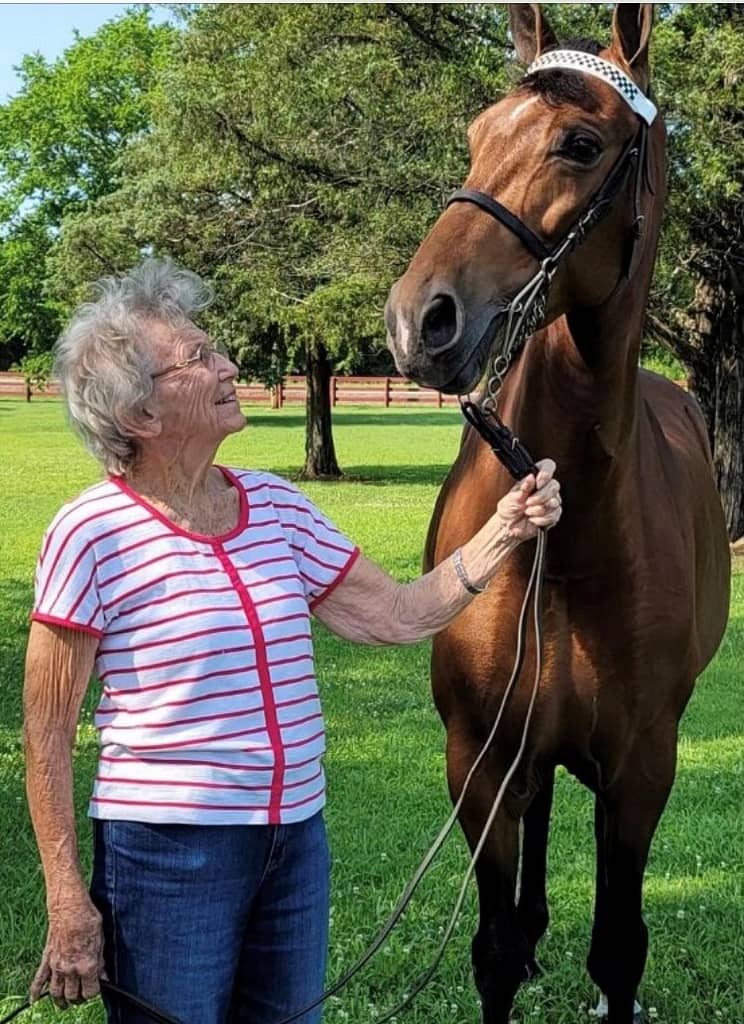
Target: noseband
[[526, 311], [633, 157]]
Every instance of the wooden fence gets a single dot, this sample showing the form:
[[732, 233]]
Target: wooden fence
[[381, 391]]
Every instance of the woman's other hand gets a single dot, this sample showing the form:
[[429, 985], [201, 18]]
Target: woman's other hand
[[72, 961], [533, 503]]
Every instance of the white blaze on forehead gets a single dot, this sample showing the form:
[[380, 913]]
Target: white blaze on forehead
[[522, 106]]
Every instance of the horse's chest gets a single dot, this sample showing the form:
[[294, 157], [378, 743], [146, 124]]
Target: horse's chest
[[595, 657]]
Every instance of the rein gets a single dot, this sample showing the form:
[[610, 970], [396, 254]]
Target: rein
[[155, 1014], [534, 591]]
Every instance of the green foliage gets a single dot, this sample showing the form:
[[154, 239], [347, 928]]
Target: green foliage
[[297, 156], [659, 359], [699, 75], [28, 319], [387, 790], [61, 136], [61, 139], [36, 369]]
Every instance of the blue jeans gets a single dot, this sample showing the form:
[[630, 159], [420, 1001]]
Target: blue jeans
[[214, 923]]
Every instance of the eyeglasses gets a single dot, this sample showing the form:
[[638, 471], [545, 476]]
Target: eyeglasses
[[204, 354]]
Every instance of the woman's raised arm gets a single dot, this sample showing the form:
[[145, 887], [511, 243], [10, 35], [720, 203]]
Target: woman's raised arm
[[370, 607]]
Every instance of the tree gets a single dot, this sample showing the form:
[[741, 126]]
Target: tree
[[698, 300], [297, 157], [60, 142], [36, 370], [28, 320]]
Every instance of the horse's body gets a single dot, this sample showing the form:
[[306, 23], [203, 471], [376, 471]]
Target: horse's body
[[636, 589]]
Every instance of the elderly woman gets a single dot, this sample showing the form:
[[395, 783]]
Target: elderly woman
[[186, 589]]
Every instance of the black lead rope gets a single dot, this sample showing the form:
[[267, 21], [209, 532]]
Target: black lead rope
[[507, 448], [155, 1014]]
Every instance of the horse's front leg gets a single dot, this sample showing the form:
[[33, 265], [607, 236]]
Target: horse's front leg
[[626, 816], [502, 953], [532, 907]]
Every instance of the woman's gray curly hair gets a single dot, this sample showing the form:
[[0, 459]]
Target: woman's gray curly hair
[[104, 374]]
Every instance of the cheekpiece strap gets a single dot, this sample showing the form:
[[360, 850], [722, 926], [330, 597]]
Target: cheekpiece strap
[[588, 64]]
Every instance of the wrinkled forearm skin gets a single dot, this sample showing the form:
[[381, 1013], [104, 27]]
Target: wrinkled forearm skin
[[59, 662], [371, 607]]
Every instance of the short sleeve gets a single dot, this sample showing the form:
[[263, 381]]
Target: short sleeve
[[65, 584], [322, 553]]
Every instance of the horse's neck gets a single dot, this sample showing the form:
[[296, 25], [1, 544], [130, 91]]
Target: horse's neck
[[584, 415], [574, 394]]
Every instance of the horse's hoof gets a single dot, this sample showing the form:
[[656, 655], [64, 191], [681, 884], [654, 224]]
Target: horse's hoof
[[601, 1011]]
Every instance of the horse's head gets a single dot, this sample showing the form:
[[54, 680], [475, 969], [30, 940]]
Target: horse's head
[[544, 153]]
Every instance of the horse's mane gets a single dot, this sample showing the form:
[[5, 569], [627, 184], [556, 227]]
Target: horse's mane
[[559, 86]]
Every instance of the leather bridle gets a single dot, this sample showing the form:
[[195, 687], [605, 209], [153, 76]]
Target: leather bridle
[[632, 157], [525, 313]]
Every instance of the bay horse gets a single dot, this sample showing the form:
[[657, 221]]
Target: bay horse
[[637, 571]]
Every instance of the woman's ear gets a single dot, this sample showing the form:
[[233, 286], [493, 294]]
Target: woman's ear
[[141, 426]]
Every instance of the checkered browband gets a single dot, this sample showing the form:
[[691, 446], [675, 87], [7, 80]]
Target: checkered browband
[[576, 60]]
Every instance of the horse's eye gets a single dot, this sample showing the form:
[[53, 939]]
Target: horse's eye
[[583, 149]]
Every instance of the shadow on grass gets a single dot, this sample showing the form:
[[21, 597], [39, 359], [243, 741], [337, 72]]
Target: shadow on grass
[[431, 474], [414, 419], [428, 473]]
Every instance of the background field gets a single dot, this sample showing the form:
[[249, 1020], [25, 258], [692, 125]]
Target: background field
[[385, 764]]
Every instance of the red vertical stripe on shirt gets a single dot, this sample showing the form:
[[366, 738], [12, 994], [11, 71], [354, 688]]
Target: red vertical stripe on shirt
[[264, 678]]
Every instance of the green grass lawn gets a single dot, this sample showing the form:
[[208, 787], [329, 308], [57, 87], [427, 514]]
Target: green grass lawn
[[386, 765]]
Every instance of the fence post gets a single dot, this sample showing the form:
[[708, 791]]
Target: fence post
[[280, 394], [439, 399], [334, 382], [387, 392]]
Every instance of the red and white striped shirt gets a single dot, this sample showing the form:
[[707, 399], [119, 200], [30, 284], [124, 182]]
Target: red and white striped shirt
[[210, 711]]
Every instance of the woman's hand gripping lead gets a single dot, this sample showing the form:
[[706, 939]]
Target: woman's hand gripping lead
[[533, 503]]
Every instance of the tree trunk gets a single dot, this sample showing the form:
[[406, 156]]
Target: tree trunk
[[320, 455], [717, 380]]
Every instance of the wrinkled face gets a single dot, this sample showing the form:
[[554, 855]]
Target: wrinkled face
[[196, 401], [543, 160]]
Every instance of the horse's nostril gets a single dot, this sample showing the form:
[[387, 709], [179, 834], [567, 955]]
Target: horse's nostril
[[439, 326]]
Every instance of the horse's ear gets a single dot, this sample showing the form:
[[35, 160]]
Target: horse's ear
[[530, 31], [631, 31]]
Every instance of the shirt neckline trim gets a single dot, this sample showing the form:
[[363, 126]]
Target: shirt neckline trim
[[207, 538]]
